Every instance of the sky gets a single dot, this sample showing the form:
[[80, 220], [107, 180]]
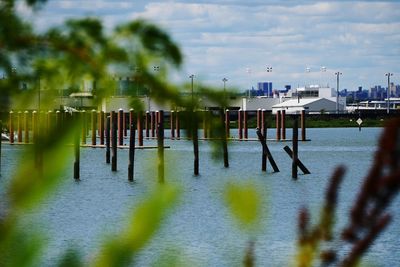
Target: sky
[[304, 42]]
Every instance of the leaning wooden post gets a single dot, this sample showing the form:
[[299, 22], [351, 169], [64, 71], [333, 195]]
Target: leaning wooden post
[[245, 127], [160, 146], [177, 125], [172, 124], [266, 153], [11, 127], [227, 123], [224, 139], [120, 127], [295, 147], [283, 125], [240, 128], [77, 147], [113, 141], [195, 143], [147, 124], [299, 163], [278, 125], [140, 127], [93, 127], [26, 127], [19, 127], [303, 125], [108, 128], [131, 152]]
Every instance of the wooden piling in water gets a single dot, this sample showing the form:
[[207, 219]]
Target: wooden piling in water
[[195, 144], [108, 129], [266, 153], [295, 147], [114, 138], [101, 128], [245, 126], [264, 123], [177, 125], [120, 127], [172, 124], [298, 162], [227, 123], [77, 149], [19, 123], [303, 125], [224, 139], [83, 117], [94, 117], [131, 152], [11, 127], [124, 124], [26, 127], [278, 125], [160, 146], [140, 128], [152, 123], [258, 118], [283, 125], [240, 127], [147, 124]]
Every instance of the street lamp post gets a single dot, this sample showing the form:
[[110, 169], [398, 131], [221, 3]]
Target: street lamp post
[[388, 92], [337, 91], [224, 80], [191, 77]]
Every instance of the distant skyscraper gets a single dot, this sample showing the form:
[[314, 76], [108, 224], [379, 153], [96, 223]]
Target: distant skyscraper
[[265, 89]]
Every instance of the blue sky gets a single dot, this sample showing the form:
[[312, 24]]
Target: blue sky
[[239, 39]]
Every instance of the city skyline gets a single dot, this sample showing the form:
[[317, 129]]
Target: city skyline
[[303, 42]]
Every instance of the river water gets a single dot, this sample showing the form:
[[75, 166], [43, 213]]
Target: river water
[[200, 230]]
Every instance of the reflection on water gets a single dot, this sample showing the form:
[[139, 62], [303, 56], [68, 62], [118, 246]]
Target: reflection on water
[[200, 230]]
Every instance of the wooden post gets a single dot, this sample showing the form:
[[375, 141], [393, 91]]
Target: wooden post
[[11, 127], [227, 123], [160, 145], [120, 127], [140, 128], [93, 127], [278, 125], [298, 163], [224, 138], [124, 124], [147, 124], [266, 153], [131, 152], [101, 129], [113, 141], [19, 127], [303, 125], [83, 115], [172, 124], [177, 125], [195, 143], [26, 127], [152, 122], [258, 118], [264, 123], [108, 129], [240, 128], [295, 147], [283, 125], [77, 149], [246, 131]]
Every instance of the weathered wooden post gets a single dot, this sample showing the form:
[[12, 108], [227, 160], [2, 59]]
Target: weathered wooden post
[[83, 116], [93, 127], [77, 148], [140, 127], [108, 129], [295, 147], [278, 125], [26, 127], [195, 143], [264, 123], [283, 124], [246, 130], [160, 146], [227, 123], [19, 127], [152, 122], [113, 141], [101, 128], [303, 125], [172, 124], [146, 124], [177, 125], [124, 124], [258, 118], [131, 152], [11, 127], [224, 139], [240, 128], [266, 153], [120, 127]]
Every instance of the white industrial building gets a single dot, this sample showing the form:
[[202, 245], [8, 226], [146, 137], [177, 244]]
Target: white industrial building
[[310, 105]]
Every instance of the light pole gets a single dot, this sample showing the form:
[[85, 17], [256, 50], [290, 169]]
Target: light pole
[[337, 91], [323, 69], [224, 80], [191, 77], [388, 92]]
